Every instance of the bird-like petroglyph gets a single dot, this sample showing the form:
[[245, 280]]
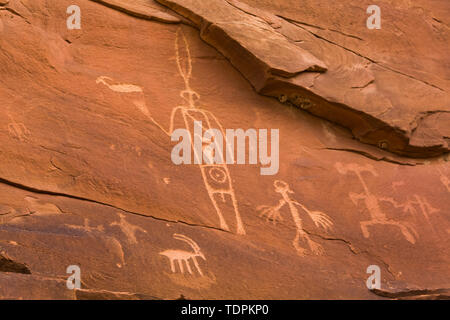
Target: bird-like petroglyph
[[216, 177], [128, 229], [372, 203], [183, 257], [123, 88], [273, 213]]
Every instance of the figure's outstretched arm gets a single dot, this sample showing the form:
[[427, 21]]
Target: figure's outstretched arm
[[272, 212], [319, 218], [392, 201], [407, 207], [172, 122]]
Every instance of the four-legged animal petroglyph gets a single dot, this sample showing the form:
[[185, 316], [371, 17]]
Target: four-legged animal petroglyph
[[320, 219], [216, 177], [128, 229], [372, 203], [181, 256], [18, 130], [123, 88], [218, 183]]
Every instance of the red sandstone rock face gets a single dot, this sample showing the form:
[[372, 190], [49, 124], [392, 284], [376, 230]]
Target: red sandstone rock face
[[144, 9], [86, 176], [357, 90]]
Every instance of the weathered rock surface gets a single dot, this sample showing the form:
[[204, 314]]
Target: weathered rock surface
[[144, 9], [382, 106], [86, 176]]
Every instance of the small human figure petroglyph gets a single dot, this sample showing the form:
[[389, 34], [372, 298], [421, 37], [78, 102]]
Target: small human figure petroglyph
[[113, 244], [320, 219], [86, 227], [181, 256], [372, 203], [216, 177], [128, 229]]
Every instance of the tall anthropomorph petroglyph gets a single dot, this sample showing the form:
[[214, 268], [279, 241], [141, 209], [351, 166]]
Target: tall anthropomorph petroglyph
[[216, 176]]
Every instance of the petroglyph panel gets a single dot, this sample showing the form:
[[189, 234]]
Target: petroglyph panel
[[128, 229], [320, 219], [372, 203], [216, 177], [182, 258]]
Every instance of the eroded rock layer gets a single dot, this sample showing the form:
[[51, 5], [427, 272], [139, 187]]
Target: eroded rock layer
[[381, 105], [87, 180]]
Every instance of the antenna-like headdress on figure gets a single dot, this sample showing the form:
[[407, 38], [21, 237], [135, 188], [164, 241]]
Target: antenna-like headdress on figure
[[184, 64]]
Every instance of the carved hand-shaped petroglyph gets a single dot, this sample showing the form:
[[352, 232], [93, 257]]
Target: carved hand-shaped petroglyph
[[372, 203], [18, 131], [216, 177], [181, 256], [320, 219], [128, 229]]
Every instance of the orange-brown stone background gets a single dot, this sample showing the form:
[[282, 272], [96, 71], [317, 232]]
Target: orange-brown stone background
[[86, 176]]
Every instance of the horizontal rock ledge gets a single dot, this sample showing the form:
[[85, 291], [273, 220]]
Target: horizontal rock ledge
[[322, 78]]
